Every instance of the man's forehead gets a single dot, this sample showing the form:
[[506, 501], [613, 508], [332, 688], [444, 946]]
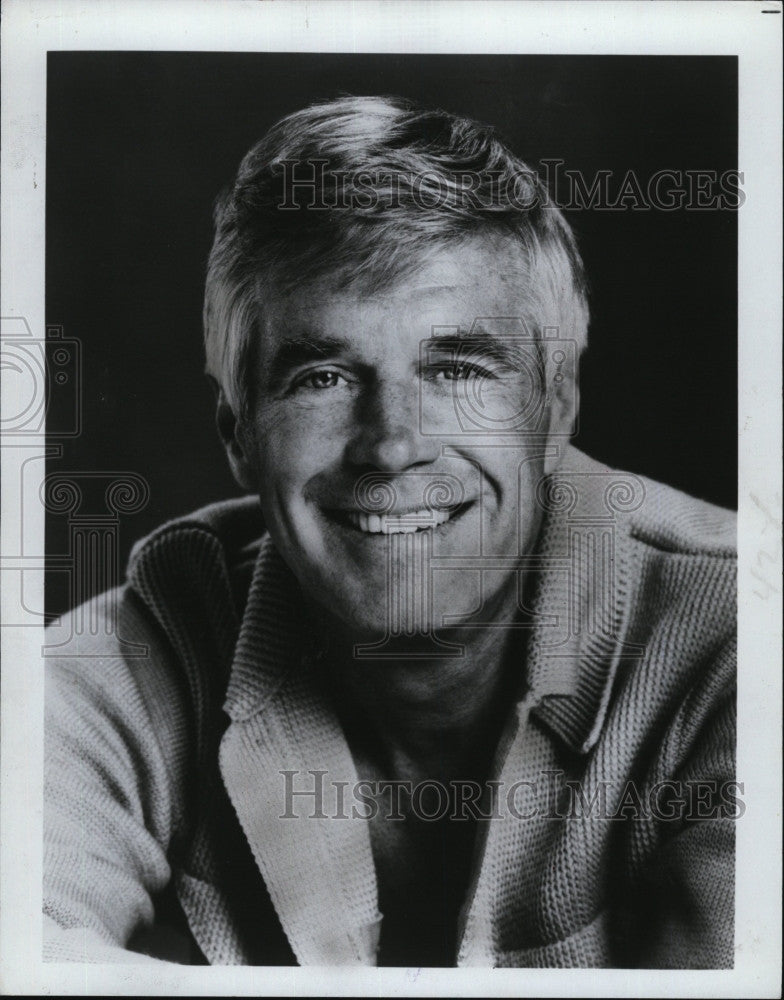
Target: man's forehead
[[438, 313], [445, 291]]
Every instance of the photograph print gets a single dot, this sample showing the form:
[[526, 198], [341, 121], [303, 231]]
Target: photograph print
[[390, 509]]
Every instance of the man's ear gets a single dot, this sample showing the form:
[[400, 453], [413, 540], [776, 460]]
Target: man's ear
[[234, 441], [564, 406]]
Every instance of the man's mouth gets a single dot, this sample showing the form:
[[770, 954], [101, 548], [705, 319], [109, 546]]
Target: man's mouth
[[408, 522]]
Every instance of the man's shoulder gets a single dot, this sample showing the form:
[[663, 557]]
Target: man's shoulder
[[197, 568], [658, 515], [674, 567], [205, 557], [673, 521], [670, 583], [164, 639], [235, 525]]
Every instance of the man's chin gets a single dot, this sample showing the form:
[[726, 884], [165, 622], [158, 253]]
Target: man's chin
[[410, 627]]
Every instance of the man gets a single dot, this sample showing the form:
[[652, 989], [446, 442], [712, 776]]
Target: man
[[448, 692]]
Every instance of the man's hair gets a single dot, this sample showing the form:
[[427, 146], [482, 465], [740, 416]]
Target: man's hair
[[360, 189]]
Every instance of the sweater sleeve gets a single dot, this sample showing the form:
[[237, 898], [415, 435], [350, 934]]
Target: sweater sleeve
[[690, 879], [114, 732]]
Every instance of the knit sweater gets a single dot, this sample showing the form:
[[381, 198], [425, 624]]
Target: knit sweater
[[171, 719]]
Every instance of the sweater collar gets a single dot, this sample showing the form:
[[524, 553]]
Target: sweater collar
[[582, 598]]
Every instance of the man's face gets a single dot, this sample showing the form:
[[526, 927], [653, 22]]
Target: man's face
[[395, 442]]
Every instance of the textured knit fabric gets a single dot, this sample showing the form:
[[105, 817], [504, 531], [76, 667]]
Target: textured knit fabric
[[170, 722]]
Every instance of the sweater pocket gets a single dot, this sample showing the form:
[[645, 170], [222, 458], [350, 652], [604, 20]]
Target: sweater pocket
[[588, 948]]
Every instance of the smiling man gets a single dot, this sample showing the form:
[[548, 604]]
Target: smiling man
[[442, 690]]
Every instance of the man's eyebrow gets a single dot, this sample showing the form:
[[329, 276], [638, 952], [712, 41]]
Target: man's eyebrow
[[292, 352], [506, 349]]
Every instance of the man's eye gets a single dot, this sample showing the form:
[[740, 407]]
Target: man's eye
[[324, 378], [461, 371]]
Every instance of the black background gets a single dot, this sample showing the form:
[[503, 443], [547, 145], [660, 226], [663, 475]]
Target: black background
[[139, 144]]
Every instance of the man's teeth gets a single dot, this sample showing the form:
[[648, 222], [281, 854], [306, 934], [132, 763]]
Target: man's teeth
[[395, 524]]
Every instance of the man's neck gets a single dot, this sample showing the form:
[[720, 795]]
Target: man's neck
[[415, 717]]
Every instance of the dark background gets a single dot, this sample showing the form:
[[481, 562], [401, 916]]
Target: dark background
[[139, 144]]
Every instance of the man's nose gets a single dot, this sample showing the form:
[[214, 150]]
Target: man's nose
[[387, 434]]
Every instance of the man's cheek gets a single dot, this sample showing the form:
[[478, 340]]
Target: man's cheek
[[309, 428], [282, 442]]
